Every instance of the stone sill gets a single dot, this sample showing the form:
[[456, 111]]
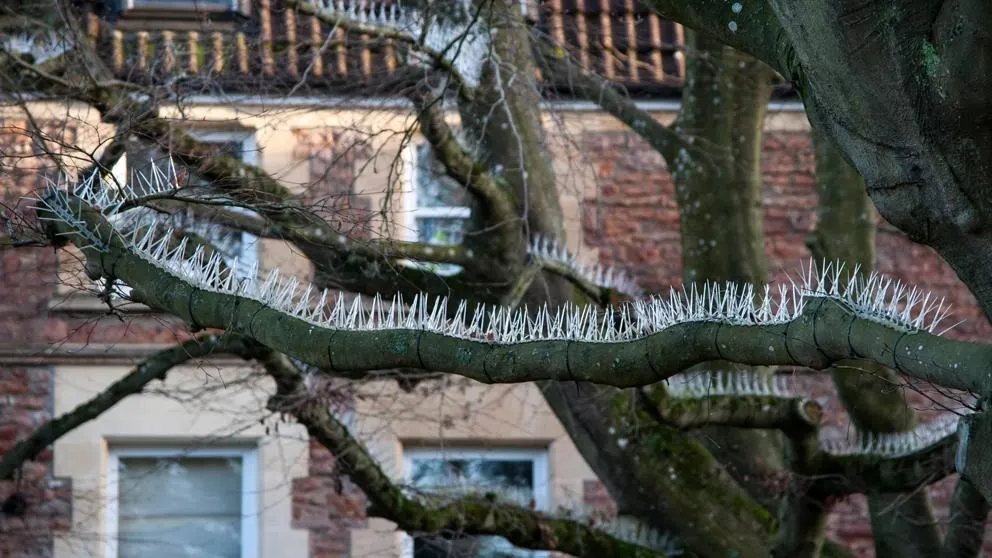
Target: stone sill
[[92, 354], [86, 302]]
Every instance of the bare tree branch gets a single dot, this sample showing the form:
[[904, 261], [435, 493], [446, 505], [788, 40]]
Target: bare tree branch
[[463, 167], [562, 67], [442, 59], [523, 527], [153, 368]]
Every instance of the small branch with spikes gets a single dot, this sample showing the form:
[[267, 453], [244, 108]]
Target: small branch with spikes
[[751, 400], [590, 277], [457, 47], [702, 384]]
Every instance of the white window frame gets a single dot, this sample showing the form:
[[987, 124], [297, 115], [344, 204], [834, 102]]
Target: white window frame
[[538, 456], [250, 532], [411, 212], [248, 258]]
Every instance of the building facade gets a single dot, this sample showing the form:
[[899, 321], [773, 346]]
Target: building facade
[[261, 489]]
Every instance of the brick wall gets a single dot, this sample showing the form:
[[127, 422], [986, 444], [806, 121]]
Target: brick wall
[[328, 505], [633, 220], [34, 505], [334, 158]]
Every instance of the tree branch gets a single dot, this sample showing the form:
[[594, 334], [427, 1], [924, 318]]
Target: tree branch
[[523, 527], [850, 474], [749, 27], [153, 368], [371, 249], [741, 411], [495, 200], [557, 62], [966, 529], [823, 332], [383, 30]]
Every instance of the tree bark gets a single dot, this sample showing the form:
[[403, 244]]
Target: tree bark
[[903, 524], [966, 529], [719, 194]]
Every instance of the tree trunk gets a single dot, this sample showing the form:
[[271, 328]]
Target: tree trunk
[[691, 493], [903, 524], [721, 215]]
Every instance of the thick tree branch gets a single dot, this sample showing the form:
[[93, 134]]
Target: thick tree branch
[[966, 528], [751, 27], [825, 331], [495, 200], [153, 368], [850, 474], [797, 415], [469, 515], [557, 62]]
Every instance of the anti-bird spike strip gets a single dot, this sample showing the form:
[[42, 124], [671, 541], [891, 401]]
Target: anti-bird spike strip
[[544, 249], [703, 384], [827, 316], [625, 528], [637, 533], [41, 46], [895, 444], [877, 298], [108, 197], [464, 44], [696, 385]]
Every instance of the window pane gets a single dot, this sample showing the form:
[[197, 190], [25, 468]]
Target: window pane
[[482, 474], [434, 187], [443, 231], [174, 537], [188, 506], [511, 479]]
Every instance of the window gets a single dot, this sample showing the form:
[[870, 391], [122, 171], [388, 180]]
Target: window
[[233, 245], [516, 475], [435, 205], [176, 503]]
